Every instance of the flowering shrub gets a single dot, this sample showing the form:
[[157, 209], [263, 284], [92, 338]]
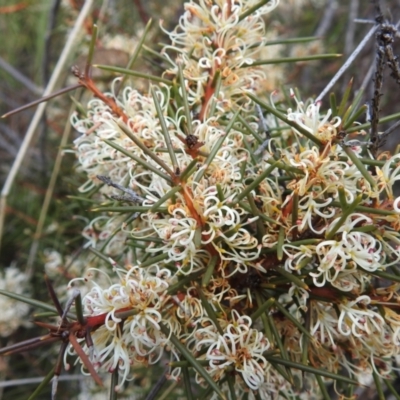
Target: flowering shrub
[[248, 240]]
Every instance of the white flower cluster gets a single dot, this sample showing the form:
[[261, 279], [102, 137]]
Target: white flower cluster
[[213, 38], [212, 229]]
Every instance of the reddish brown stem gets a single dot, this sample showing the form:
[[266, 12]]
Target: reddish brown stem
[[85, 359], [208, 94]]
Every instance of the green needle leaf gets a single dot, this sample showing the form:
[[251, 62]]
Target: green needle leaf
[[252, 9], [209, 309], [28, 300], [145, 150], [283, 118], [209, 271], [91, 51], [346, 212], [164, 130], [284, 60], [322, 386], [255, 183], [188, 386], [281, 240], [164, 198], [189, 357], [287, 314], [154, 260], [263, 308], [186, 106], [312, 370], [142, 162], [136, 52], [216, 148], [360, 166], [42, 385], [125, 71]]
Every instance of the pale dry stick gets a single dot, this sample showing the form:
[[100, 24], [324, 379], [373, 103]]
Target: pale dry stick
[[347, 64], [48, 196], [351, 27], [68, 48]]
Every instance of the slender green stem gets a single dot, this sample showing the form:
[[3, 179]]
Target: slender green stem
[[91, 50], [378, 385], [254, 184], [281, 240], [263, 309], [256, 212], [283, 118], [154, 260], [291, 277], [136, 52], [252, 9], [158, 55], [392, 390], [30, 301], [188, 386], [360, 166], [289, 316], [303, 39], [183, 281], [216, 148], [217, 84], [367, 125], [145, 150], [189, 357], [267, 328], [259, 139], [114, 384], [209, 309], [333, 104], [209, 271], [186, 106], [125, 71], [312, 370], [142, 162], [345, 97], [352, 118], [381, 274], [322, 387], [346, 212], [285, 60], [164, 198], [231, 384], [280, 345], [43, 384], [189, 170], [165, 130]]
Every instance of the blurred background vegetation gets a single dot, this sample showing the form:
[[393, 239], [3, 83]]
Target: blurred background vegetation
[[33, 34]]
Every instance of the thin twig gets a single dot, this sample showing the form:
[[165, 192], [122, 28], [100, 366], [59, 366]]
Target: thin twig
[[133, 196], [351, 27], [347, 63]]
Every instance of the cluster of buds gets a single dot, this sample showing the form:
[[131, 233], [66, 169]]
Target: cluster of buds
[[249, 241]]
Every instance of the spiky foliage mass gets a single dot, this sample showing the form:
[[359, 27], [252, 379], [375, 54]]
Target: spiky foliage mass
[[248, 240]]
